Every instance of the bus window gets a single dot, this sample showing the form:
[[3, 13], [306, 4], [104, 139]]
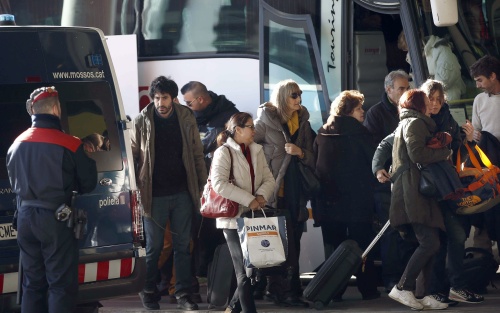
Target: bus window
[[291, 53]]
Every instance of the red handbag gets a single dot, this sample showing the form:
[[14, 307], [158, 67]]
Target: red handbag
[[214, 205]]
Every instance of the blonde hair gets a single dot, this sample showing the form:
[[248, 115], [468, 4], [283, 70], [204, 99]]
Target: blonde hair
[[282, 90]]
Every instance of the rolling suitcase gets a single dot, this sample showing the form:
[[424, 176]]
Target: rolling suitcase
[[221, 280], [335, 273]]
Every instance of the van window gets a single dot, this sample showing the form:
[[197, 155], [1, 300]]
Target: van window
[[87, 113]]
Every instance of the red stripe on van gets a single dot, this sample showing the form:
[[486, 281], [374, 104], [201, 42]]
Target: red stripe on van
[[102, 270], [126, 267], [81, 273]]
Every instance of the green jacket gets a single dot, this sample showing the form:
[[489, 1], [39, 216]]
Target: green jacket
[[142, 138], [408, 205]]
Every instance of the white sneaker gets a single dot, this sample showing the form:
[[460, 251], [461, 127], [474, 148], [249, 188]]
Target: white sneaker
[[430, 303], [405, 297]]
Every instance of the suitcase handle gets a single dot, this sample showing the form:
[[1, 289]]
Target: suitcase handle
[[381, 232]]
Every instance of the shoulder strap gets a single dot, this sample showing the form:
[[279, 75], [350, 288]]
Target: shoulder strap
[[231, 176]]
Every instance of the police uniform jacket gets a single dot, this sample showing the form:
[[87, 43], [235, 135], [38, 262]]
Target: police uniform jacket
[[142, 139], [45, 165]]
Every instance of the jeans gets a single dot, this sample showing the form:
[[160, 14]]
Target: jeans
[[178, 209], [243, 295], [417, 273], [452, 246], [49, 256]]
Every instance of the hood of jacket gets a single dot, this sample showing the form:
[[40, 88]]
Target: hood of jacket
[[409, 113], [434, 42], [268, 114], [220, 105]]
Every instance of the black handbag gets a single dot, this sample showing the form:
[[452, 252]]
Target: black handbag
[[310, 183], [426, 186]]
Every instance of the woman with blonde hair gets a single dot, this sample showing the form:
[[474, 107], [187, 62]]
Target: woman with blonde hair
[[344, 150], [282, 127]]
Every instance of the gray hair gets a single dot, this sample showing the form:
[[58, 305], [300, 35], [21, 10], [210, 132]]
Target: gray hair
[[392, 76]]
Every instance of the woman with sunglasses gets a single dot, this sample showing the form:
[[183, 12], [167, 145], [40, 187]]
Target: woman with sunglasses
[[344, 150], [282, 127]]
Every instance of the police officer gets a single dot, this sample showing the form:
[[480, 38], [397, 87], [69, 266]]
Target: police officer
[[45, 165]]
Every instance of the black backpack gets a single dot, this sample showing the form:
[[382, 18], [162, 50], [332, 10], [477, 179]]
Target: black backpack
[[479, 269]]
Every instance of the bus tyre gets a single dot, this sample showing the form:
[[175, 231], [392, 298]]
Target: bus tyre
[[318, 305]]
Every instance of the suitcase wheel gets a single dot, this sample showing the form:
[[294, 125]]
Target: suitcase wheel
[[318, 305]]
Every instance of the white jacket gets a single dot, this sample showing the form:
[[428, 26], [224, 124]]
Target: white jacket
[[444, 66], [241, 192]]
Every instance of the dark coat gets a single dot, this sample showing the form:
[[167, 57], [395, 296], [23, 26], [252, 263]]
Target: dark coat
[[408, 205], [344, 151], [381, 119], [212, 120], [446, 123]]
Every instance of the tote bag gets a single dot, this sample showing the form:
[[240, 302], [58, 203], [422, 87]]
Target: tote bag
[[263, 240]]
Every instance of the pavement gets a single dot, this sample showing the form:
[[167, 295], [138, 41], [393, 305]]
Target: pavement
[[352, 302]]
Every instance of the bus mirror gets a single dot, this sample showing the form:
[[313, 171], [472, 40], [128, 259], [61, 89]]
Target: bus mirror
[[444, 12]]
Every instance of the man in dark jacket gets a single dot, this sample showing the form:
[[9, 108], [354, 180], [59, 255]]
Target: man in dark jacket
[[381, 120], [212, 112], [45, 166]]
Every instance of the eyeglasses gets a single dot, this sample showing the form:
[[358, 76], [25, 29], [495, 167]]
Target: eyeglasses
[[249, 126], [295, 95], [189, 103]]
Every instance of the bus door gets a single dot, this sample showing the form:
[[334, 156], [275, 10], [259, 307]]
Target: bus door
[[289, 50]]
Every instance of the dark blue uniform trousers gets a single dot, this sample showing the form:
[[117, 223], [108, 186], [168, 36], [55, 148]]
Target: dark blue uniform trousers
[[49, 256]]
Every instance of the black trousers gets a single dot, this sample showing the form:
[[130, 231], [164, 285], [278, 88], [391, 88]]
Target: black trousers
[[49, 256]]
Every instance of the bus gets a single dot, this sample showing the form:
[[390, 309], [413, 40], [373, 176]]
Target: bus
[[241, 48]]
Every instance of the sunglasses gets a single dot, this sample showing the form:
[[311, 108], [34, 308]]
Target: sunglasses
[[189, 103], [295, 95], [249, 126]]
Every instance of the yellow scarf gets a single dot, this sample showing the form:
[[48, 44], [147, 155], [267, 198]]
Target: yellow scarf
[[293, 123]]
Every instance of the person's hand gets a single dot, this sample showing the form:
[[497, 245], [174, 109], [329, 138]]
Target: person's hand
[[383, 176], [468, 130], [450, 156], [261, 200], [477, 135], [254, 205], [292, 149]]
